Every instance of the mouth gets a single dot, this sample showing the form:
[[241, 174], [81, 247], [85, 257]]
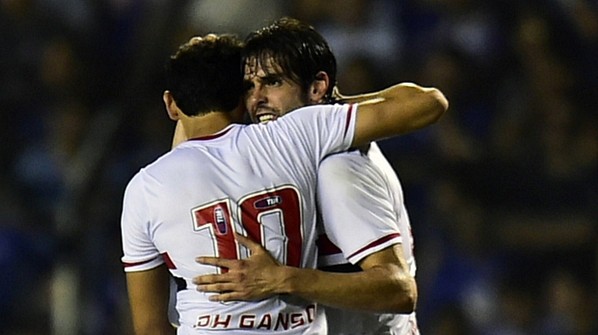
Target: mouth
[[264, 116]]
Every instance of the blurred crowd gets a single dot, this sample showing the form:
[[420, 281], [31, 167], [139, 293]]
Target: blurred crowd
[[502, 192]]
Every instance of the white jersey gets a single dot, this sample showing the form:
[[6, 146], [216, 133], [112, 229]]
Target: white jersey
[[362, 209], [258, 180]]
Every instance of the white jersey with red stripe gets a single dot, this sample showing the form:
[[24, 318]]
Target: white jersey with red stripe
[[257, 180], [360, 200]]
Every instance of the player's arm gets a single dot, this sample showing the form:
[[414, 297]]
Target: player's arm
[[384, 285], [360, 203], [148, 299], [396, 110]]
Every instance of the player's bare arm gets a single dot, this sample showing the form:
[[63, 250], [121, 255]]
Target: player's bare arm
[[396, 110], [150, 311], [384, 285]]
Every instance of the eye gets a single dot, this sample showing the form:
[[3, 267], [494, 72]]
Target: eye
[[247, 86], [273, 81]]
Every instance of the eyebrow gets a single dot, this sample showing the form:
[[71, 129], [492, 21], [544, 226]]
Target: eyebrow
[[268, 77]]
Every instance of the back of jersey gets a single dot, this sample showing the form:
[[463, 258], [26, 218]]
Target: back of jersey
[[256, 180]]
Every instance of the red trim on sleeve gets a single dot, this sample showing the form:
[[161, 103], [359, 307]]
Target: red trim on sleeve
[[375, 243], [326, 247], [168, 261], [126, 265], [350, 114]]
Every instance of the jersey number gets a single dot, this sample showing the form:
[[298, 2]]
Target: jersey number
[[271, 218]]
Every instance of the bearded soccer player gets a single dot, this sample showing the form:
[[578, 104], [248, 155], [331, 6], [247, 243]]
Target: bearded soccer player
[[290, 65]]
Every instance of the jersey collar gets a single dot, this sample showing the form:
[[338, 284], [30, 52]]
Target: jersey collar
[[213, 136]]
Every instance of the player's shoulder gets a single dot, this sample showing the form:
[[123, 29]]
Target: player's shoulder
[[163, 167], [163, 162], [319, 107], [135, 185], [342, 165], [347, 159], [355, 164], [315, 113], [305, 122], [344, 157]]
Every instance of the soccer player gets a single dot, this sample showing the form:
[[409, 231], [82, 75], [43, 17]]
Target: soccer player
[[231, 180], [289, 65]]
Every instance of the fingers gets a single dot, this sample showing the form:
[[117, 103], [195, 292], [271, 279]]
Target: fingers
[[211, 279], [216, 288], [248, 243], [227, 296], [336, 94], [220, 292], [215, 283], [221, 262], [197, 39], [220, 287]]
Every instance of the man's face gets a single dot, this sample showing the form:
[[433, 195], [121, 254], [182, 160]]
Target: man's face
[[268, 93]]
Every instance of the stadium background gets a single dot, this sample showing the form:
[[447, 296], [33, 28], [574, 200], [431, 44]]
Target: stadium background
[[502, 192]]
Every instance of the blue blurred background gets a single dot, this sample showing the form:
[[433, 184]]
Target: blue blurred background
[[502, 192]]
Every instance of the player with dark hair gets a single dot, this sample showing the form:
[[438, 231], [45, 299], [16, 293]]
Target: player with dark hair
[[196, 95], [300, 52], [231, 183], [290, 65]]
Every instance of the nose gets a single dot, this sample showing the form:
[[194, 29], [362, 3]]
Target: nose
[[257, 95], [254, 98]]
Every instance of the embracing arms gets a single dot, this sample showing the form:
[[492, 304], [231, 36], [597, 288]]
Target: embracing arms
[[384, 285], [396, 110], [393, 111]]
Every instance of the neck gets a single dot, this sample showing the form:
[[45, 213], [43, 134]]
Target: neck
[[208, 124]]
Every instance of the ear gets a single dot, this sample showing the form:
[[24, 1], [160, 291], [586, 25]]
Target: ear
[[318, 88], [171, 106]]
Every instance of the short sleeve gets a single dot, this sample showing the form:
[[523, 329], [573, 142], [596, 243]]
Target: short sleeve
[[139, 252], [330, 127], [358, 213]]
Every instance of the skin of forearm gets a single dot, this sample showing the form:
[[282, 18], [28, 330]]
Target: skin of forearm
[[399, 109], [425, 105], [351, 99], [381, 289], [407, 90]]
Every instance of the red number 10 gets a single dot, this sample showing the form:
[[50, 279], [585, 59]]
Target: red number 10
[[272, 218]]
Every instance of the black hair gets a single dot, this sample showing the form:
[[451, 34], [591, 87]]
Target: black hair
[[207, 75], [296, 47]]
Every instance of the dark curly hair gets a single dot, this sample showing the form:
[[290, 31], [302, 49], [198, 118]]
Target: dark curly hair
[[207, 75]]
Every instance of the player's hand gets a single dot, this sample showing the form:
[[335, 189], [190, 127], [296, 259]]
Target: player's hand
[[336, 95], [197, 39], [254, 278]]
